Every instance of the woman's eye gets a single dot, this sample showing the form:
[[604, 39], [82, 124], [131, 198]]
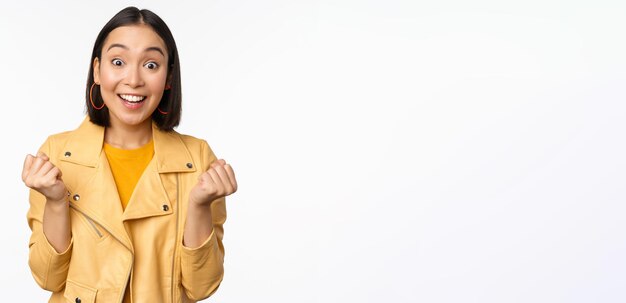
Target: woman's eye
[[151, 65], [117, 62]]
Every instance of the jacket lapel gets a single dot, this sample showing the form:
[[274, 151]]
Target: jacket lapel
[[89, 180], [156, 190], [149, 197], [94, 184]]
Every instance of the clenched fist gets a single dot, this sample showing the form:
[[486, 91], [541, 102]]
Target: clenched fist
[[41, 175], [217, 182]]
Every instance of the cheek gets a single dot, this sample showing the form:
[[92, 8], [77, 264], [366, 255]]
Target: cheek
[[109, 79], [156, 83], [158, 79]]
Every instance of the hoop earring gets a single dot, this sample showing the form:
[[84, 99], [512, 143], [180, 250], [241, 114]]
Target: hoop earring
[[167, 87], [91, 99], [162, 112]]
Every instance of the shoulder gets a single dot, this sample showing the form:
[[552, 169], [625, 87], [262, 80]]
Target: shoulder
[[198, 145], [55, 141], [190, 140], [62, 136], [86, 132], [199, 149]]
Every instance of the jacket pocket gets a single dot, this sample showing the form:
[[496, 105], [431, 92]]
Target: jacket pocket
[[92, 227], [78, 293]]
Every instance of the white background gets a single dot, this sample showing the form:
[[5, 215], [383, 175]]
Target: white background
[[386, 151]]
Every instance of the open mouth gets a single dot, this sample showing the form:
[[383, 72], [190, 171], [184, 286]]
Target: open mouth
[[132, 98]]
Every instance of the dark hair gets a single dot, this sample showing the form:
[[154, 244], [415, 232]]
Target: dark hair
[[172, 98]]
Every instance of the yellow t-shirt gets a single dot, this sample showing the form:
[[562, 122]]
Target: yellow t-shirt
[[127, 166]]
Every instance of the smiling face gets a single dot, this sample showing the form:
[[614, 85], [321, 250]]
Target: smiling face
[[132, 74]]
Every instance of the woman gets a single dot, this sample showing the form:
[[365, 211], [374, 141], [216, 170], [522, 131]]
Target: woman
[[125, 209]]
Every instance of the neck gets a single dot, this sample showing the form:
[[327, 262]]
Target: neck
[[128, 136]]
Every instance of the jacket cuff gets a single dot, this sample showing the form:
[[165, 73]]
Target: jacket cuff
[[202, 268], [196, 259], [49, 268], [207, 243], [56, 256]]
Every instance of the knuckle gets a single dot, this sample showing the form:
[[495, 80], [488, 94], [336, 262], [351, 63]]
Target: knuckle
[[48, 182]]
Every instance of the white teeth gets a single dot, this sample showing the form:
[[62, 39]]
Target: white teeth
[[131, 98]]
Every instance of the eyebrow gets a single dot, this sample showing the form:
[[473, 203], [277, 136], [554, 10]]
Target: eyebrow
[[151, 48]]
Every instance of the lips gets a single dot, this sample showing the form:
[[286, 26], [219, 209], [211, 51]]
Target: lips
[[132, 101], [132, 98]]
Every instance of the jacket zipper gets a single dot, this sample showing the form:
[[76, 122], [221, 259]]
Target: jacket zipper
[[91, 222], [175, 239], [93, 225], [132, 260]]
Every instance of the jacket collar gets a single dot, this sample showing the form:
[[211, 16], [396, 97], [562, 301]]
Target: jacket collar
[[85, 146]]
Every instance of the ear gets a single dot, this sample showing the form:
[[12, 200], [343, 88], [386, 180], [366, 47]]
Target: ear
[[168, 82], [96, 70]]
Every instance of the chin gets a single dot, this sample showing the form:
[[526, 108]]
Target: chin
[[134, 119]]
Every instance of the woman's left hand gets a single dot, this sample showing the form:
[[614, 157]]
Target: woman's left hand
[[217, 182]]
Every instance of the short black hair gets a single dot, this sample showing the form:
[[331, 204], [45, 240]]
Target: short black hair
[[171, 102]]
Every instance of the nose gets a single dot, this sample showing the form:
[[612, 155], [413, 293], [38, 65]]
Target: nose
[[134, 78]]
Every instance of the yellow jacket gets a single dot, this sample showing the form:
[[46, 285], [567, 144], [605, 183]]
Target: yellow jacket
[[142, 244]]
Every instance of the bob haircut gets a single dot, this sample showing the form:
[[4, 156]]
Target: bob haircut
[[171, 102]]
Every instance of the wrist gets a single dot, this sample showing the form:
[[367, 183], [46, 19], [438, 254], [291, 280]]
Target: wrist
[[54, 201], [203, 203], [205, 206], [199, 210], [57, 206]]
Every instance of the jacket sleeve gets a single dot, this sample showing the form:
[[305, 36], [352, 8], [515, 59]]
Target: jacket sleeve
[[203, 267], [48, 267]]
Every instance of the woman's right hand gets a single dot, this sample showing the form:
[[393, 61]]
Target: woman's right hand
[[41, 175]]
